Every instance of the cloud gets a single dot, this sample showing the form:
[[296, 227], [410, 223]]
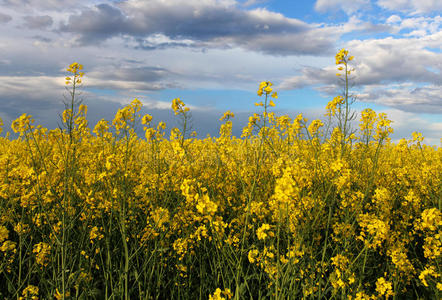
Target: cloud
[[212, 47], [384, 61], [393, 19], [133, 86], [119, 76], [18, 96], [44, 5], [310, 76], [205, 23], [4, 18], [42, 39], [420, 25], [13, 86], [412, 6], [37, 22], [395, 72], [426, 99], [125, 73], [348, 6], [98, 23], [405, 123], [253, 2]]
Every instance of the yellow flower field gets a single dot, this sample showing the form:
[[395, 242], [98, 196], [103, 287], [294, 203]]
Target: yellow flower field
[[292, 209]]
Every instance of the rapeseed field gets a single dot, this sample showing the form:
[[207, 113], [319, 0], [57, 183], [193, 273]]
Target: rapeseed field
[[292, 209]]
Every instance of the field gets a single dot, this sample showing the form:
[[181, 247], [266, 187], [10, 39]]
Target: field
[[292, 209]]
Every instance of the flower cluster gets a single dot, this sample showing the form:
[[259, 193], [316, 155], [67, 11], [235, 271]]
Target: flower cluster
[[294, 209]]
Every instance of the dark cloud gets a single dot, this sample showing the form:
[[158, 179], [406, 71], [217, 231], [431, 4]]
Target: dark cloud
[[125, 73], [5, 18], [29, 66], [37, 22], [140, 74], [210, 24], [119, 76], [99, 23], [144, 44]]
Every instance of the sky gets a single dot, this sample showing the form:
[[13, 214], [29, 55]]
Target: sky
[[214, 53]]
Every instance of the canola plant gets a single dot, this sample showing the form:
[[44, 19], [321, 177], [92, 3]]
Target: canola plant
[[292, 209]]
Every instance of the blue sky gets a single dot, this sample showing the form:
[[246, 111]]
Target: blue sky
[[213, 54]]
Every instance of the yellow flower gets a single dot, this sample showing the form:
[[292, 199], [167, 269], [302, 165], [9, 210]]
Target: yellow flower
[[150, 133], [227, 115], [4, 233], [58, 295], [314, 126], [42, 251], [261, 232], [23, 123], [428, 271], [95, 233], [253, 254], [20, 228], [178, 106], [384, 288], [146, 119], [30, 292], [265, 86], [216, 295], [431, 219]]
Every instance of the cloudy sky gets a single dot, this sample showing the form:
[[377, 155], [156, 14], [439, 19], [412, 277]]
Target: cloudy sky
[[213, 54]]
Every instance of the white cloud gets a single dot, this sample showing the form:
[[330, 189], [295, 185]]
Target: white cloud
[[12, 86], [381, 61], [253, 2], [395, 72], [396, 60], [422, 24], [393, 19], [412, 6], [348, 6], [406, 97]]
